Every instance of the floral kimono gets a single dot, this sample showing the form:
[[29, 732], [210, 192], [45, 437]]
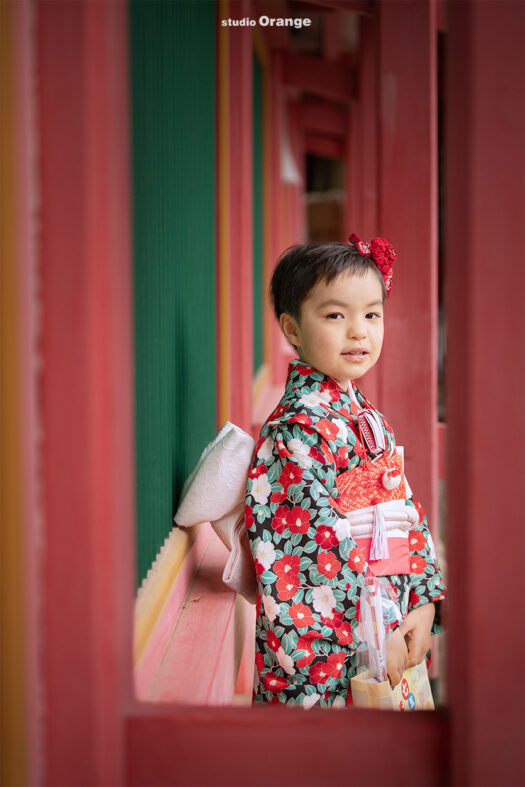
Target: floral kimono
[[310, 567]]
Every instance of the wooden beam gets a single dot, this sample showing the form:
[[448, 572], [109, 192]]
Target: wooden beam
[[321, 117], [323, 146], [358, 6], [185, 745], [314, 75], [332, 36]]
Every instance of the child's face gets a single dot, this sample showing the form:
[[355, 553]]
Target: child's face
[[340, 329]]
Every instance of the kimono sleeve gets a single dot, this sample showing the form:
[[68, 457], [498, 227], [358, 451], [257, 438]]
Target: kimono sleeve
[[309, 568], [426, 579]]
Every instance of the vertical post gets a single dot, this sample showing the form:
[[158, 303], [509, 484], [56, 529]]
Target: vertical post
[[485, 287], [16, 742], [279, 355], [408, 219], [241, 217], [366, 142], [223, 223], [87, 450], [368, 124]]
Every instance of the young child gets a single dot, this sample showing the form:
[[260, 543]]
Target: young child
[[327, 503]]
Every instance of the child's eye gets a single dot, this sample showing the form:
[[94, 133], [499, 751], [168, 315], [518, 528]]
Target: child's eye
[[373, 315], [334, 316]]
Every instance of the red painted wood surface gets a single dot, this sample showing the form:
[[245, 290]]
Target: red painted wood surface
[[324, 146], [277, 98], [322, 117], [240, 217], [201, 660], [296, 191], [24, 200], [363, 144], [485, 282], [285, 747], [87, 452], [335, 81], [144, 672], [407, 216]]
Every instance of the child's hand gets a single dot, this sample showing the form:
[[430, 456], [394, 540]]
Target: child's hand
[[396, 656], [417, 626]]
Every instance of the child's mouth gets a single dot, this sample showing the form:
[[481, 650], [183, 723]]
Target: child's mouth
[[356, 355]]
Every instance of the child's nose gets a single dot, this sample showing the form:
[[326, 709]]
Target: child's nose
[[357, 329]]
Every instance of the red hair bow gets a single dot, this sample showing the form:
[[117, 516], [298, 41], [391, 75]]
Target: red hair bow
[[381, 252]]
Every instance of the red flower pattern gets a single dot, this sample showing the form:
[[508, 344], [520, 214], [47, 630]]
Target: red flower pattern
[[328, 455], [328, 564], [274, 643], [344, 634], [335, 664], [304, 643], [287, 566], [319, 672], [283, 451], [301, 418], [327, 429], [259, 568], [287, 588], [279, 410], [299, 520], [326, 537], [419, 509], [258, 471], [274, 682], [416, 541], [417, 564], [291, 474], [303, 370], [356, 560], [281, 519], [301, 615], [341, 458], [334, 621]]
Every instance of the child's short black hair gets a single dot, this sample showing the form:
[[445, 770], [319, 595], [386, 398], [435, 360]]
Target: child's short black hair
[[300, 267]]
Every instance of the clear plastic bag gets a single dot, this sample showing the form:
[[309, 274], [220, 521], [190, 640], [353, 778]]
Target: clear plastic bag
[[379, 615]]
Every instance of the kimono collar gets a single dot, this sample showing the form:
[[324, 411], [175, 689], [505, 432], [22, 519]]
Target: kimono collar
[[301, 375]]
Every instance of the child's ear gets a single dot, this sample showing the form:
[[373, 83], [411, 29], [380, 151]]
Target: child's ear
[[289, 328]]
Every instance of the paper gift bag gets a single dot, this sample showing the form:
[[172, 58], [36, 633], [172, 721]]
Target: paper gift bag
[[412, 693]]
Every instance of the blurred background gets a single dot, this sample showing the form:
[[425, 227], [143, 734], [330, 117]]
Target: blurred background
[[156, 159]]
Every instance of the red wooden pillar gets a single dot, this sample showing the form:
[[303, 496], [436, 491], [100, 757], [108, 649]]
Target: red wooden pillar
[[280, 358], [86, 456], [352, 163], [364, 142], [407, 216], [240, 217], [485, 286], [368, 125]]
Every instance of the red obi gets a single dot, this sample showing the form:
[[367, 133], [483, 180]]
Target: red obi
[[373, 496]]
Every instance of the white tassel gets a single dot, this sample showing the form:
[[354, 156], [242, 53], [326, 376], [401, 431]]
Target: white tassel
[[379, 548]]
